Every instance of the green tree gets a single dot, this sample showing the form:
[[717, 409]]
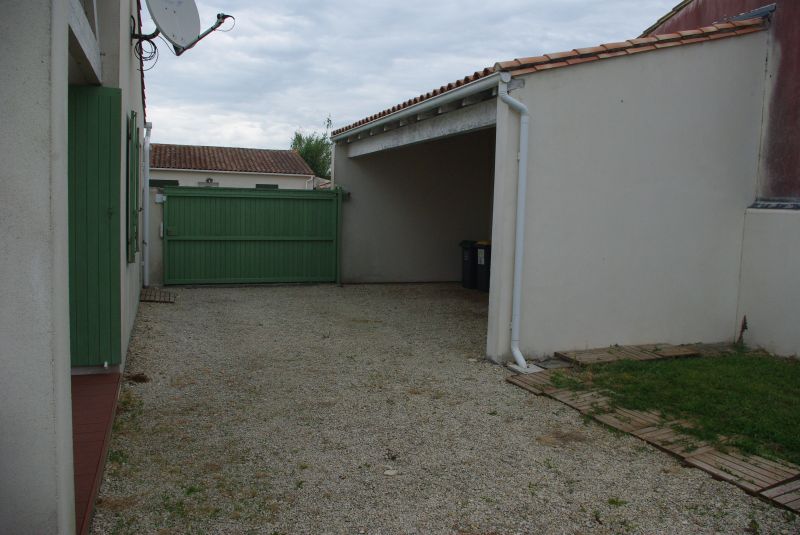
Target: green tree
[[315, 149]]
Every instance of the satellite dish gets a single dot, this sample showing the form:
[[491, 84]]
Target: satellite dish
[[178, 20]]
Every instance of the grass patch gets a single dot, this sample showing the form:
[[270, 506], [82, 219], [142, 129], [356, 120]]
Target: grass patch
[[750, 396]]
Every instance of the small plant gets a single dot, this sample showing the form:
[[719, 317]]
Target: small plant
[[191, 489], [173, 506], [616, 502], [753, 527], [117, 457], [299, 484]]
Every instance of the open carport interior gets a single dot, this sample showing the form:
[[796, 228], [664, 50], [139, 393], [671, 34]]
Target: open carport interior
[[409, 208]]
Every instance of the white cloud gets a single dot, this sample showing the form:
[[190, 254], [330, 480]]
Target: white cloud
[[288, 64]]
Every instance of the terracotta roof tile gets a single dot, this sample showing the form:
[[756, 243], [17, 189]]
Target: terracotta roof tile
[[233, 159], [529, 65], [561, 55]]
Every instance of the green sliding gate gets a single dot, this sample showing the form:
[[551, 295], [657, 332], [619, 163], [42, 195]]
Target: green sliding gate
[[94, 136], [236, 235]]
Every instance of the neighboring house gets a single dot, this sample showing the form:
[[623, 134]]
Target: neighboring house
[[72, 108], [228, 167], [640, 163], [225, 167]]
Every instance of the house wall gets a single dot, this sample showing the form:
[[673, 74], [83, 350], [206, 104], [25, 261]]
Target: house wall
[[37, 493], [769, 289], [779, 168], [230, 180], [640, 171], [409, 208]]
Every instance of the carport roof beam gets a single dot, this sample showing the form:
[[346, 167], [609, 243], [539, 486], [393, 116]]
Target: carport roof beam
[[472, 88]]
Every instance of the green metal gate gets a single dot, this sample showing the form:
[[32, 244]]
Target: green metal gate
[[94, 137], [232, 235]]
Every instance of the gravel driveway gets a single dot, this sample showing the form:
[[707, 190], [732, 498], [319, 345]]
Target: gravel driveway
[[369, 409]]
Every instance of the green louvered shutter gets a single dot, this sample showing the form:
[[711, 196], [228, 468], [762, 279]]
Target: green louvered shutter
[[94, 137], [133, 188]]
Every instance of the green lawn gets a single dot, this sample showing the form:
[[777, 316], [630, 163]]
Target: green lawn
[[750, 396]]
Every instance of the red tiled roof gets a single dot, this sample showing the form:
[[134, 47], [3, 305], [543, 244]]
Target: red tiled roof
[[234, 159], [522, 66]]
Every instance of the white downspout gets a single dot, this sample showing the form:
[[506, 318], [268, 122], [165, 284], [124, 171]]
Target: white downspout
[[519, 234], [146, 208]]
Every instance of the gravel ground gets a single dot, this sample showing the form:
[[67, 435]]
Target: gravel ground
[[369, 409]]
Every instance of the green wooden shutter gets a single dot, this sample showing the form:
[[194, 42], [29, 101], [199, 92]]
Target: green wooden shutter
[[94, 136], [133, 188]]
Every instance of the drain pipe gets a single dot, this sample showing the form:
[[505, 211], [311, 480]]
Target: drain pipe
[[521, 365], [146, 208]]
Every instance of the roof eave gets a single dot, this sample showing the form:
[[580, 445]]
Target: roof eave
[[458, 93]]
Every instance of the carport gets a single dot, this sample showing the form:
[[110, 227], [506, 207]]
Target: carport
[[613, 181]]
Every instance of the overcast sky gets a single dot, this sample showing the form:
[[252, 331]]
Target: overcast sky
[[288, 64]]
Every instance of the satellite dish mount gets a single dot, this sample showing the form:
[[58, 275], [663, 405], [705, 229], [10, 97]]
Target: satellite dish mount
[[177, 21]]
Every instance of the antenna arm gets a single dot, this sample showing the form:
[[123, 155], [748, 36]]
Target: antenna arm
[[221, 18]]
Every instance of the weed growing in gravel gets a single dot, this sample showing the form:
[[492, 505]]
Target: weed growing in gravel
[[192, 489], [117, 457], [616, 502], [753, 526], [173, 506]]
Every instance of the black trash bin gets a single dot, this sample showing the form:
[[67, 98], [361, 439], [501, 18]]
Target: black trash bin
[[468, 267], [483, 264]]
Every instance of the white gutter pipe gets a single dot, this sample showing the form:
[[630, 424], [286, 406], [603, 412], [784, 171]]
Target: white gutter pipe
[[146, 208], [483, 84], [519, 234]]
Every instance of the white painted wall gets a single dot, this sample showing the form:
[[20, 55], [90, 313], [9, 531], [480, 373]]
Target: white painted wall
[[409, 208], [36, 489], [770, 281], [36, 494], [230, 180], [640, 170]]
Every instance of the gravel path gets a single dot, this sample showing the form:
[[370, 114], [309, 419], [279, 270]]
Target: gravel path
[[369, 409]]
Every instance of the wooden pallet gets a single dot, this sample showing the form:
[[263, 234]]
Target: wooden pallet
[[156, 295], [752, 473], [777, 482], [614, 353], [786, 494]]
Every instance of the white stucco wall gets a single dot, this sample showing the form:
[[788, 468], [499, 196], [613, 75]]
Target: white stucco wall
[[231, 180], [770, 281], [409, 208], [640, 170], [36, 476], [37, 489]]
